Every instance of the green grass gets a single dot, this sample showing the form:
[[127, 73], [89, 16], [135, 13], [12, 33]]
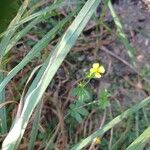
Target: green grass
[[31, 102]]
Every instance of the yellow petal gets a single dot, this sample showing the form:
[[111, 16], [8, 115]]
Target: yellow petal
[[97, 140], [101, 69], [97, 75], [92, 70], [96, 65]]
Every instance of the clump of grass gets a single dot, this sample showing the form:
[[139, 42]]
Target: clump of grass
[[31, 99]]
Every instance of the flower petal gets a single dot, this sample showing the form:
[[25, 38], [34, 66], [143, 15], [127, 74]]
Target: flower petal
[[97, 75], [97, 140], [92, 70], [96, 65], [101, 69]]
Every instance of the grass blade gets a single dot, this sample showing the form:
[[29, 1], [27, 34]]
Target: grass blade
[[47, 72], [3, 119], [38, 17], [21, 33], [121, 34], [34, 51], [35, 126], [5, 40], [140, 142], [42, 13]]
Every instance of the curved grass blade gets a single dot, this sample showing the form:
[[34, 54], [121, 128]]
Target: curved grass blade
[[42, 13], [35, 50], [140, 142], [111, 124], [47, 72], [3, 118], [121, 34], [21, 33], [6, 103], [5, 40], [3, 44], [35, 126], [38, 16]]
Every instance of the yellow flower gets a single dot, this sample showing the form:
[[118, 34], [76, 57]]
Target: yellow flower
[[97, 70], [97, 140]]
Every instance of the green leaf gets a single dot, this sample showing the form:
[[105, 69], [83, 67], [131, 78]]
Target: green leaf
[[77, 111], [82, 111], [72, 106], [103, 99], [77, 116], [81, 93]]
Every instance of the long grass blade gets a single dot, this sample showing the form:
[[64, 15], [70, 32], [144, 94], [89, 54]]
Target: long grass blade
[[47, 72], [140, 141], [3, 118], [5, 40], [35, 51], [38, 17], [121, 34], [35, 126], [41, 13], [21, 33]]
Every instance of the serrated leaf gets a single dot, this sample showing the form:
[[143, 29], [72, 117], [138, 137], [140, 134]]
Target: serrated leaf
[[75, 91], [83, 111], [72, 106], [84, 95], [77, 111], [103, 99], [81, 93], [78, 117]]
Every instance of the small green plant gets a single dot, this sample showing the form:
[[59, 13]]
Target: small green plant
[[83, 95], [103, 99]]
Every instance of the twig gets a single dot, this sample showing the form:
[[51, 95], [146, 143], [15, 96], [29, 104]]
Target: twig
[[103, 48]]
